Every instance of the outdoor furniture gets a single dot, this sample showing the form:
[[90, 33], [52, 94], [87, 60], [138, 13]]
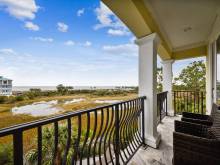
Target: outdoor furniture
[[195, 144], [199, 118]]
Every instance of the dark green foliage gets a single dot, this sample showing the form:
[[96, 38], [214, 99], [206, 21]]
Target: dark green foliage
[[6, 154], [193, 77], [48, 145], [3, 99], [19, 98], [63, 90]]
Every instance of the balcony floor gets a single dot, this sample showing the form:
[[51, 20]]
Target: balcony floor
[[163, 155]]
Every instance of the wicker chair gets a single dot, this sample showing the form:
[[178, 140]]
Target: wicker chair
[[200, 119], [195, 144]]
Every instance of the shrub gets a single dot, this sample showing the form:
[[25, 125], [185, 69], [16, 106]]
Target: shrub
[[48, 145], [6, 154], [19, 98], [3, 99]]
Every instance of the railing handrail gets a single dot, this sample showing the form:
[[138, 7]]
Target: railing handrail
[[189, 101], [188, 90], [118, 128], [33, 124], [162, 92]]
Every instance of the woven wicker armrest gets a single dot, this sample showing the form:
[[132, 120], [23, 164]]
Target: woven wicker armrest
[[195, 116], [197, 121], [193, 150], [191, 128]]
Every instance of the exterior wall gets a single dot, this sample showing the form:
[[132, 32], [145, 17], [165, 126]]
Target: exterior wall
[[5, 87]]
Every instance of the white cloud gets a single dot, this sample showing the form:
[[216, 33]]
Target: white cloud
[[87, 43], [69, 43], [31, 26], [62, 27], [42, 39], [21, 9], [7, 51], [122, 49], [80, 12], [104, 15], [107, 19], [132, 39], [118, 32]]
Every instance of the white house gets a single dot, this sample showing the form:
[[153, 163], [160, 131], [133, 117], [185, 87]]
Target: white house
[[5, 86]]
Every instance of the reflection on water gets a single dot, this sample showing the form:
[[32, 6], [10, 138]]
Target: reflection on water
[[45, 108], [42, 108], [74, 101]]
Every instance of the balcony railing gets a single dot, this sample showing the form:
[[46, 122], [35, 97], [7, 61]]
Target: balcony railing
[[104, 135], [189, 101], [5, 86], [162, 105]]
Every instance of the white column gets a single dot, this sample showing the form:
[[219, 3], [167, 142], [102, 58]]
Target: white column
[[167, 84], [210, 76], [148, 85]]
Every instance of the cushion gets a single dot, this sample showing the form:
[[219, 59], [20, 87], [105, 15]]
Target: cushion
[[211, 133]]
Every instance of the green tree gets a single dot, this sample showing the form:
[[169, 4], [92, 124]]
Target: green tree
[[159, 79], [62, 89], [193, 77]]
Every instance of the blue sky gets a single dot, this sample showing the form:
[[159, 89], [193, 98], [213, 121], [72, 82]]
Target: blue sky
[[69, 42]]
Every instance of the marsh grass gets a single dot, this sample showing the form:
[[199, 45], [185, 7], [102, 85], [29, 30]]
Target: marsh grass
[[7, 119]]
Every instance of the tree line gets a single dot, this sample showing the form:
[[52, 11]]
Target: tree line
[[192, 77]]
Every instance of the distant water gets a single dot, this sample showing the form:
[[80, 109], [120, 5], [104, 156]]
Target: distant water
[[43, 88], [42, 108], [46, 108], [107, 101]]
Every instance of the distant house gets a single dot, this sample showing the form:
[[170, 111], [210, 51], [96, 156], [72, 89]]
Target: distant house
[[5, 86]]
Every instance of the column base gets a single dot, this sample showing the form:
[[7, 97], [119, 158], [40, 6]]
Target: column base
[[153, 141], [170, 113]]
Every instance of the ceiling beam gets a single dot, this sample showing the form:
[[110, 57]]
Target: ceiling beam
[[190, 53]]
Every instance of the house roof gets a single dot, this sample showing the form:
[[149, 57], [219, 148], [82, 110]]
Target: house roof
[[4, 78]]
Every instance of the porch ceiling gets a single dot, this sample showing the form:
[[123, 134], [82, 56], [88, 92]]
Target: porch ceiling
[[183, 26]]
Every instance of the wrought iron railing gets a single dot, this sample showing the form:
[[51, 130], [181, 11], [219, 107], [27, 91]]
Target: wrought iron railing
[[189, 101], [104, 135], [162, 105]]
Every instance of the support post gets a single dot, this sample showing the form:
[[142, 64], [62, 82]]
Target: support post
[[167, 84], [148, 86], [210, 77]]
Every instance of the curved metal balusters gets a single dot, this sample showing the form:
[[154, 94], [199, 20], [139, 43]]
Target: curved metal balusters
[[111, 137], [56, 135], [97, 138], [101, 138], [93, 136], [86, 136], [103, 135], [68, 141], [107, 137]]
